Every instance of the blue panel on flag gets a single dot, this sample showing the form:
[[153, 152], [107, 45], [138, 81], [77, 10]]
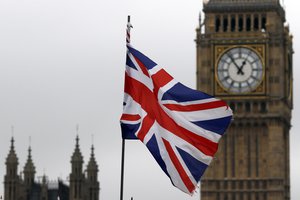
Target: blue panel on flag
[[181, 93], [195, 166], [128, 131], [216, 125], [149, 64], [154, 149], [130, 63]]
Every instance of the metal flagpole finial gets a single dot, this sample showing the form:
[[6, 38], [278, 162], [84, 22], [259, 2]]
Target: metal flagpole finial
[[129, 26]]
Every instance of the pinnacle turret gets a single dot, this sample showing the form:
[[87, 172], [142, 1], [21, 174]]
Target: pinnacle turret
[[29, 166], [92, 165], [11, 177], [77, 156], [92, 176], [77, 175], [12, 157], [29, 170]]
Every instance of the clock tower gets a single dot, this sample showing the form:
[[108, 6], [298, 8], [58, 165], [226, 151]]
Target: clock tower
[[245, 56]]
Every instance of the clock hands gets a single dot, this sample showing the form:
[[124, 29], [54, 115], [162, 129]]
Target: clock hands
[[240, 69]]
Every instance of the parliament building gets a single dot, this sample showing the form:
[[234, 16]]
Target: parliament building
[[245, 56], [82, 185]]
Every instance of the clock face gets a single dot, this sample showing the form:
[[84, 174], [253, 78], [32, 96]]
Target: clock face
[[240, 70]]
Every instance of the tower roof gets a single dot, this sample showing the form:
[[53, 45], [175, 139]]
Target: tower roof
[[29, 166], [242, 6], [92, 165], [77, 156], [12, 157]]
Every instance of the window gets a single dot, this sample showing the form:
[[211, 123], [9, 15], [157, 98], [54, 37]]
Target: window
[[233, 23], [263, 23], [265, 196], [241, 23], [248, 23], [226, 197], [217, 24], [241, 196], [255, 107], [232, 106], [248, 107], [233, 184], [263, 107], [225, 185], [240, 106], [241, 184], [256, 23], [225, 24]]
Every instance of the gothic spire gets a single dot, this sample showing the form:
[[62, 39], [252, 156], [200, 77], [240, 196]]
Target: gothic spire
[[12, 157], [11, 177], [92, 177], [29, 166], [76, 175], [77, 157], [92, 165]]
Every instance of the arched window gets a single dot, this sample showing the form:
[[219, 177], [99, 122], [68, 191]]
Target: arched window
[[248, 23], [232, 106], [263, 107], [256, 23], [225, 24], [248, 107], [217, 24], [226, 197], [241, 23], [263, 23], [233, 23]]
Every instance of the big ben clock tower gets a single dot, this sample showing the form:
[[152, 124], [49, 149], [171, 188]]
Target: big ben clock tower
[[244, 56]]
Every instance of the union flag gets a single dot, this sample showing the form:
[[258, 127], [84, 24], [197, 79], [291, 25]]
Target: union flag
[[180, 126]]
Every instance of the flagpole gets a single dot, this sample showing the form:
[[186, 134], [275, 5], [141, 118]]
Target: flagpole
[[122, 169], [129, 26]]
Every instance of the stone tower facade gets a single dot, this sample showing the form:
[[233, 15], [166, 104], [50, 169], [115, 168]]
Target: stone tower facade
[[29, 174], [245, 56], [11, 178], [92, 177], [77, 175], [84, 185]]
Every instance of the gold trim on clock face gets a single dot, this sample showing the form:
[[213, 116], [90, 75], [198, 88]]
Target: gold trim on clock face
[[239, 70]]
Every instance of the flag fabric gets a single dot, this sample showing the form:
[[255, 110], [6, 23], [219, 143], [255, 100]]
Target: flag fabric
[[180, 126]]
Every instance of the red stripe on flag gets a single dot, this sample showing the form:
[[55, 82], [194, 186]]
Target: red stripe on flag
[[196, 107], [183, 175], [129, 117], [142, 66], [146, 125], [146, 98], [160, 79]]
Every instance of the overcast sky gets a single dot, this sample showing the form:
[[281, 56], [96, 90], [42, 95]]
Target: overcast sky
[[62, 64]]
